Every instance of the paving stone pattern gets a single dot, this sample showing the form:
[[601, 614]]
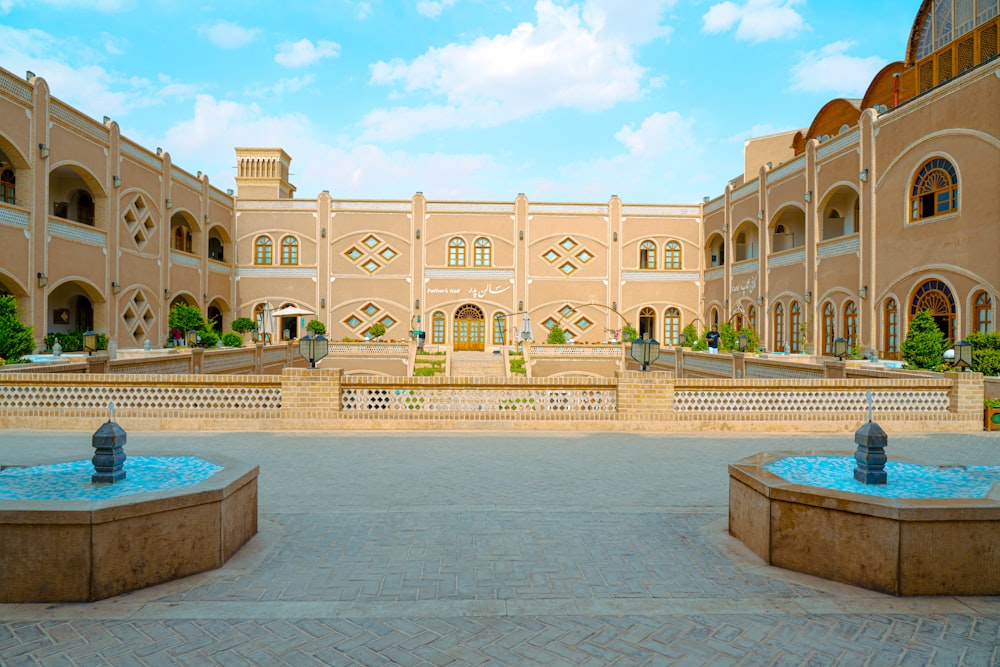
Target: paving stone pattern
[[355, 565]]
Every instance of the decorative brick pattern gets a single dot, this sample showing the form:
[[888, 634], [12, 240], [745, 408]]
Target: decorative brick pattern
[[480, 400], [720, 366], [811, 401], [601, 351], [762, 369]]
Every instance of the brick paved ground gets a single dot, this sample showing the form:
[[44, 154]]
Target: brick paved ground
[[453, 548]]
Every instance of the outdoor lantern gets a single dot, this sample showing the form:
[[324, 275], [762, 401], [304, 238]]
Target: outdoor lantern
[[645, 351], [191, 338], [313, 348], [89, 342], [682, 339], [840, 348], [963, 354], [742, 342]]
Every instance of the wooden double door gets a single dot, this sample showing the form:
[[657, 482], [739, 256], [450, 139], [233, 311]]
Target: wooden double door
[[470, 329]]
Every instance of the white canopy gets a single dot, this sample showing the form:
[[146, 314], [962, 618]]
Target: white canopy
[[291, 311]]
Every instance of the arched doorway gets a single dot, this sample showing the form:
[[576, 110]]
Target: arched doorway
[[647, 323], [934, 296], [470, 329]]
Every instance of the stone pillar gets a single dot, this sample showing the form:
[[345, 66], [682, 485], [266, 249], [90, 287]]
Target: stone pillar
[[197, 360], [99, 364], [834, 370], [646, 395], [739, 365], [966, 395], [258, 358], [311, 394]]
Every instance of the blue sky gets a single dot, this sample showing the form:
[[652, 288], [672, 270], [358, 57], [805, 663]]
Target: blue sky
[[564, 100]]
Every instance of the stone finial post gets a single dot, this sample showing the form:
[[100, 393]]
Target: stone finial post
[[870, 455], [109, 459]]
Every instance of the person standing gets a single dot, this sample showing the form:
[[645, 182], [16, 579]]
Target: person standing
[[712, 337]]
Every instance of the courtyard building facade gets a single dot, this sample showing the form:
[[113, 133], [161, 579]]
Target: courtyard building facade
[[882, 207]]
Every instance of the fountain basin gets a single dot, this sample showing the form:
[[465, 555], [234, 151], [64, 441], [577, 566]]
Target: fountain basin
[[84, 550], [900, 546]]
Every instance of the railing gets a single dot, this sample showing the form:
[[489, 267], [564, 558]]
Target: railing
[[613, 351]]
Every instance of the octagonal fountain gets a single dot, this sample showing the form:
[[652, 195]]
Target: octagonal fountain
[[67, 535], [923, 530]]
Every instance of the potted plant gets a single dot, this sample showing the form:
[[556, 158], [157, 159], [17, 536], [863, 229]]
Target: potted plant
[[991, 415]]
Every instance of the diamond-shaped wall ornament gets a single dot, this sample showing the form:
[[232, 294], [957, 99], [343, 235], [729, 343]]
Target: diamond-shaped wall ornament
[[370, 310], [352, 322], [371, 266], [549, 323], [567, 310], [584, 323], [371, 241], [568, 244], [354, 254], [584, 256], [567, 268], [388, 254], [551, 256], [387, 321]]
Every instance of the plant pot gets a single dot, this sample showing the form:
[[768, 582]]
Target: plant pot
[[991, 419]]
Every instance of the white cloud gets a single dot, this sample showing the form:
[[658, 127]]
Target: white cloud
[[114, 45], [831, 70], [227, 35], [99, 5], [756, 20], [573, 56], [364, 10], [207, 139], [280, 88], [433, 8], [304, 52], [659, 134]]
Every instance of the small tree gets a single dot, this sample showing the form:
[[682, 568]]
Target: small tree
[[241, 325], [629, 333], [556, 335], [16, 338], [376, 330], [690, 334], [925, 342], [727, 337], [985, 352], [184, 318], [317, 328]]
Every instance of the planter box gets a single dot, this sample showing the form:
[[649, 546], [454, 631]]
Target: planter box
[[992, 419]]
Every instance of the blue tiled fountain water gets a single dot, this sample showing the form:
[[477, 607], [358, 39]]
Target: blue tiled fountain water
[[71, 481], [905, 480]]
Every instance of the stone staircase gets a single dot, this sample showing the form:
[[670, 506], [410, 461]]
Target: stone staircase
[[477, 364]]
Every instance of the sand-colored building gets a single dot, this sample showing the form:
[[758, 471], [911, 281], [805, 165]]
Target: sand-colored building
[[883, 206]]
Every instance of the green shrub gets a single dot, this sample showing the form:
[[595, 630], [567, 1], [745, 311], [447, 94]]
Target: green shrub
[[318, 328], [73, 341], [184, 318], [690, 334], [241, 325], [925, 343], [232, 340], [986, 362], [17, 339], [556, 335], [208, 338], [376, 330], [629, 333]]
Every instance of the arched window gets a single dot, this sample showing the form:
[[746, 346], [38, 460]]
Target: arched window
[[647, 255], [935, 190], [752, 318], [484, 252], [890, 330], [779, 327], [851, 323], [437, 328], [289, 251], [829, 327], [796, 333], [456, 252], [936, 297], [216, 249], [499, 329], [647, 323], [672, 255], [671, 326], [262, 250], [7, 186], [983, 312], [85, 209]]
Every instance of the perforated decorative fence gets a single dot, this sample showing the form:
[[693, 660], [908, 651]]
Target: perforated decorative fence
[[143, 397], [478, 400], [804, 402]]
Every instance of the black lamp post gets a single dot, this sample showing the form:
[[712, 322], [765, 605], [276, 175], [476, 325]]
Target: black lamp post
[[89, 342], [963, 354], [191, 338], [742, 342], [840, 348], [645, 351], [313, 348], [682, 339]]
